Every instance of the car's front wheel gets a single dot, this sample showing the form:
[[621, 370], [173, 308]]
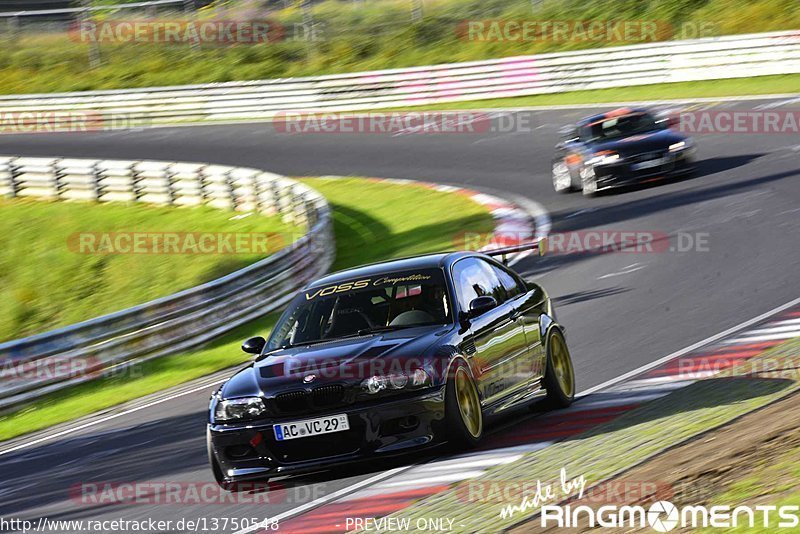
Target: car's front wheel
[[588, 182], [559, 377], [463, 408], [562, 177]]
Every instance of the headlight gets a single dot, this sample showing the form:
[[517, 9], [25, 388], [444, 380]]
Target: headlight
[[604, 157], [681, 145], [376, 384], [239, 409]]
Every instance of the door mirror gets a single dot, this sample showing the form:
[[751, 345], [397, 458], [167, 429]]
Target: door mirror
[[254, 345], [568, 133], [481, 305]]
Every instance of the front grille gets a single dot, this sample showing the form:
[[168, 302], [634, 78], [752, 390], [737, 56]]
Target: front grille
[[292, 402], [324, 396], [321, 397], [646, 157]]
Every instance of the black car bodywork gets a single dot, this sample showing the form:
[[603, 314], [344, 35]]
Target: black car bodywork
[[621, 147], [485, 320]]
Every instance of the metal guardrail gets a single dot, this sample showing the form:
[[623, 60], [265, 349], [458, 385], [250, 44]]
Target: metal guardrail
[[673, 61], [186, 319], [90, 8]]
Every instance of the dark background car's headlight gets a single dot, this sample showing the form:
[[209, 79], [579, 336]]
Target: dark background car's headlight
[[239, 409]]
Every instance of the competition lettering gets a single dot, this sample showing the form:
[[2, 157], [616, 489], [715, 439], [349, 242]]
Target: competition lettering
[[411, 278]]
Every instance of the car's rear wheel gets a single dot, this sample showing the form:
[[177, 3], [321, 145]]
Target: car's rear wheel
[[559, 377], [463, 408]]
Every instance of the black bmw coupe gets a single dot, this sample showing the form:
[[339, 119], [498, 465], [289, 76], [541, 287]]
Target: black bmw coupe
[[387, 358], [621, 147]]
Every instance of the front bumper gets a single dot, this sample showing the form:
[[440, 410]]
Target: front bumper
[[637, 170], [378, 429]]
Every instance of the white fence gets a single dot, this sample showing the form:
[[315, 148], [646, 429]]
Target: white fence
[[673, 61], [172, 324]]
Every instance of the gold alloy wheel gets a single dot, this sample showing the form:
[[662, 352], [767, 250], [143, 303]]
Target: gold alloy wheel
[[468, 404], [562, 365]]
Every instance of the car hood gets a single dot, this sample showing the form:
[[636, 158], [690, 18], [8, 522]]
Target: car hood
[[640, 143], [347, 360]]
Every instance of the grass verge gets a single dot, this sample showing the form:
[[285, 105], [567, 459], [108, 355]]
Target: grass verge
[[53, 271], [367, 229], [761, 85], [621, 443]]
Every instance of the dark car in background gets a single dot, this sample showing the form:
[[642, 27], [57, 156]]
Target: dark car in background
[[386, 358], [621, 147]]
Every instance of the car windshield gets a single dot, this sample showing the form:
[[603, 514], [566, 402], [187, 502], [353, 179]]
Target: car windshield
[[618, 127], [361, 306]]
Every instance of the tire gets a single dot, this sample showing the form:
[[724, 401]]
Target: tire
[[588, 184], [559, 376], [463, 414], [563, 181]]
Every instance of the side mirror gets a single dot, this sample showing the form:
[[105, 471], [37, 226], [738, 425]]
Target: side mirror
[[254, 345], [567, 133], [670, 119], [481, 305]]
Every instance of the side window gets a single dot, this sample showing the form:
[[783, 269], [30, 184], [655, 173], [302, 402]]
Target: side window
[[476, 278], [512, 286]]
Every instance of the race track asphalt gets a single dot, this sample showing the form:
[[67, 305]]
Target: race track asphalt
[[622, 310]]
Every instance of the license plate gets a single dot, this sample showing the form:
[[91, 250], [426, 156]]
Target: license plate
[[647, 164], [311, 427]]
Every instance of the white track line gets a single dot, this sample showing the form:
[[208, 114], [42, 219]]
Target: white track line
[[392, 472], [621, 378], [328, 498], [96, 422], [690, 348], [765, 337]]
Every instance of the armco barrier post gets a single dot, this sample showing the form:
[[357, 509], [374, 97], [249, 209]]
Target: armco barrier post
[[97, 178], [13, 177]]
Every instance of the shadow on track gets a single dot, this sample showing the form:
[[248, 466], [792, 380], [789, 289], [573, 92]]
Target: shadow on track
[[567, 221]]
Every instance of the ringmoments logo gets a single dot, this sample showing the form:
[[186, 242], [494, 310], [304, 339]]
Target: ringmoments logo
[[663, 516]]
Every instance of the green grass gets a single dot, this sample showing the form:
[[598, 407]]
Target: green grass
[[360, 36], [372, 221], [621, 443], [378, 220], [46, 282], [762, 85], [132, 383]]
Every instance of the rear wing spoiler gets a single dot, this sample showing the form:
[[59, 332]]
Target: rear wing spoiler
[[540, 246]]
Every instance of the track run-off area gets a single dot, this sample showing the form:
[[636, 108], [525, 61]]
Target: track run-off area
[[739, 218]]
